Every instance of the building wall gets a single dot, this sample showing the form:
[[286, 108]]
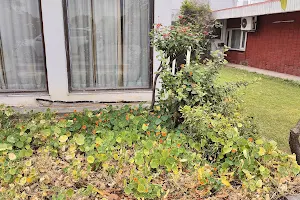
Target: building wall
[[56, 62], [274, 46]]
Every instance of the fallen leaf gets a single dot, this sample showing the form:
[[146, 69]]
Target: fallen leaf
[[113, 197]]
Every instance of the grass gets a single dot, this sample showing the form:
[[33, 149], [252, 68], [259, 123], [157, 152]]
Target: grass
[[274, 103]]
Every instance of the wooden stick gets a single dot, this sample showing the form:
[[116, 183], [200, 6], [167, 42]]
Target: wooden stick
[[294, 141]]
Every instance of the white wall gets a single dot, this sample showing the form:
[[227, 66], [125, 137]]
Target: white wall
[[221, 4], [56, 60]]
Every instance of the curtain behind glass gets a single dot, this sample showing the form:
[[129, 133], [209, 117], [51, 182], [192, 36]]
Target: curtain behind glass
[[136, 43], [23, 65], [106, 18], [109, 43], [80, 43], [236, 39]]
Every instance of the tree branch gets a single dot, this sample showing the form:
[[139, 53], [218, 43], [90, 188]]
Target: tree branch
[[154, 86]]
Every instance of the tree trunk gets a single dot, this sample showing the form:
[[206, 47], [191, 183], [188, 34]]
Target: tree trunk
[[294, 141]]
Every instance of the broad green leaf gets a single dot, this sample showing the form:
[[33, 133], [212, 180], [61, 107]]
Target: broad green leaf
[[164, 118], [259, 183], [56, 130], [248, 174], [19, 144], [141, 188], [70, 192], [63, 138], [226, 149], [139, 160], [12, 156], [46, 132], [12, 171], [28, 163], [90, 159], [127, 190], [98, 141], [146, 152], [158, 121], [262, 169], [259, 141], [80, 139], [28, 153], [145, 127], [119, 139], [3, 146], [154, 163], [148, 144], [11, 139]]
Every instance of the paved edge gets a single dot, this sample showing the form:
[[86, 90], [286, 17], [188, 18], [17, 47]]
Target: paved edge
[[265, 72]]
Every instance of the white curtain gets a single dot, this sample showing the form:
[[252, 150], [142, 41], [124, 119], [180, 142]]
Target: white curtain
[[80, 43], [109, 43], [136, 43], [22, 66], [236, 39], [106, 20]]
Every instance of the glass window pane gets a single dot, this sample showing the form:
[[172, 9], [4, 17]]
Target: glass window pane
[[23, 64], [80, 43], [227, 39], [244, 39], [109, 43], [136, 43], [108, 68], [236, 39]]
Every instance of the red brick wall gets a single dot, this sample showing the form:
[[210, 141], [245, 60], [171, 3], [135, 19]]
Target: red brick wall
[[273, 47]]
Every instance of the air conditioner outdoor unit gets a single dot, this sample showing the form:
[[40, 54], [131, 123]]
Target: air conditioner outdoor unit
[[248, 23]]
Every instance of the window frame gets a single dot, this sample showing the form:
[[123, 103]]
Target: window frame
[[229, 38], [87, 90], [16, 91]]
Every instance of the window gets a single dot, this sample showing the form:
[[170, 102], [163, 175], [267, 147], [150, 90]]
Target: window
[[236, 39], [22, 57], [108, 43]]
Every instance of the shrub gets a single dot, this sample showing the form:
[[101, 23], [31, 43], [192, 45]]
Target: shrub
[[240, 156]]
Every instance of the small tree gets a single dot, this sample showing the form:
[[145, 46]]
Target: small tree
[[191, 32]]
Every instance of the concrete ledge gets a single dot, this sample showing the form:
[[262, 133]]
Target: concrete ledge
[[69, 108], [266, 72]]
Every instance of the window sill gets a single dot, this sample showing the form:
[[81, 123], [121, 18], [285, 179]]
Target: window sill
[[24, 94], [241, 50], [119, 91]]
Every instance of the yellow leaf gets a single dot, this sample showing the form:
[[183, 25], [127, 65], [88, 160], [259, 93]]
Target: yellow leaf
[[225, 181], [23, 181], [283, 4], [200, 173], [262, 151], [29, 180], [105, 166], [116, 156], [99, 191]]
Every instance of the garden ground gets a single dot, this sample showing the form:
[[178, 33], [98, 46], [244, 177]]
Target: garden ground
[[274, 103]]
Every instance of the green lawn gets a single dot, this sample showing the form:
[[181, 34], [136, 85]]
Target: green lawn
[[274, 103]]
